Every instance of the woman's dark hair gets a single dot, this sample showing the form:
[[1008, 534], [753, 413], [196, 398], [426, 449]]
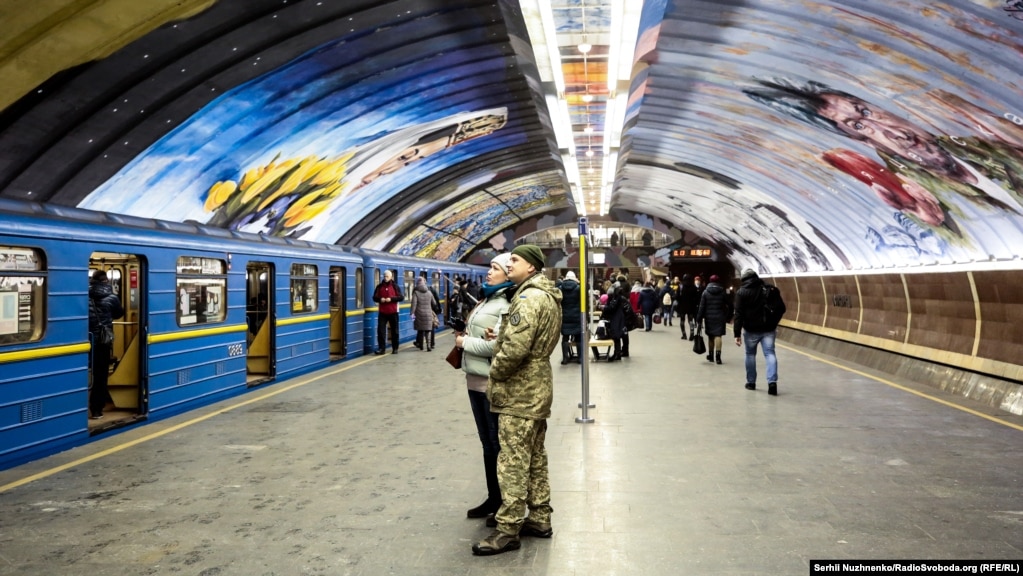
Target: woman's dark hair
[[98, 276]]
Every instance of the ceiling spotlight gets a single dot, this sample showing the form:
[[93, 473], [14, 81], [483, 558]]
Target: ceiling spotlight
[[587, 97], [585, 48], [589, 153], [588, 130]]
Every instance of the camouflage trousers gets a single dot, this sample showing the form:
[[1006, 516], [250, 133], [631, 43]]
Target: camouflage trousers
[[522, 473]]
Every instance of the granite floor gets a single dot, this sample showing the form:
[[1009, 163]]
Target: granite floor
[[367, 468]]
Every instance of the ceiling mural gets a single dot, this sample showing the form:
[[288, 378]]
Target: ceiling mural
[[792, 135], [862, 135], [478, 216], [306, 152]]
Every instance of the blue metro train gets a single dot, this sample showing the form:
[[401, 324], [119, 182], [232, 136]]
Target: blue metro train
[[209, 313]]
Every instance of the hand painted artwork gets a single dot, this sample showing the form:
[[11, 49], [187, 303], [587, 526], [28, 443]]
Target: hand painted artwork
[[924, 175], [308, 150]]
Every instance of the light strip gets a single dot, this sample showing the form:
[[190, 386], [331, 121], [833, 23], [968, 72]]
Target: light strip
[[625, 20], [532, 14], [543, 36], [550, 35]]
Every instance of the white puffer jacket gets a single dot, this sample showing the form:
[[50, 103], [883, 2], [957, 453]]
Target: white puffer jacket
[[477, 350]]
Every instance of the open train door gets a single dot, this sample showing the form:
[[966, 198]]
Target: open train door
[[127, 389], [260, 361], [338, 325]]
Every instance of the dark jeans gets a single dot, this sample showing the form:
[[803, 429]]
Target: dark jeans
[[383, 321], [99, 392], [486, 422]]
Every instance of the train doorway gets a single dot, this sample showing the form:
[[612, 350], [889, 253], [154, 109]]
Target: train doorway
[[259, 317], [338, 335], [117, 372]]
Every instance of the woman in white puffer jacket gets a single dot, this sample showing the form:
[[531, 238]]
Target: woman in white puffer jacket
[[477, 349]]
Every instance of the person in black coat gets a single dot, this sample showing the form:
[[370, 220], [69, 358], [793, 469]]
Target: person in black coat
[[688, 304], [571, 326], [104, 308], [713, 314], [614, 313]]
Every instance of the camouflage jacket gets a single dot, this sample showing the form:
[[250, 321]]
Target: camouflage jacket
[[521, 382]]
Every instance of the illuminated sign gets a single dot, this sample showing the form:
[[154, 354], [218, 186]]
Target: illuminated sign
[[691, 253]]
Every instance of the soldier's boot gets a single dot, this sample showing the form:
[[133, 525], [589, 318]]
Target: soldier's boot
[[496, 543], [536, 529]]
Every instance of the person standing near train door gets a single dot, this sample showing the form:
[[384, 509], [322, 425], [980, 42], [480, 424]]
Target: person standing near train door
[[387, 296], [104, 307]]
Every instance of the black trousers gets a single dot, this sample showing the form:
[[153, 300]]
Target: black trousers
[[99, 392], [383, 321]]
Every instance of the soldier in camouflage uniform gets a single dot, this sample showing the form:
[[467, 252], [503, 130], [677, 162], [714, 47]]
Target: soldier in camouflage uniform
[[521, 390]]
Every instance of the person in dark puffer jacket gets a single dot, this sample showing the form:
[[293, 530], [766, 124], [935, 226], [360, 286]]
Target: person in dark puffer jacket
[[104, 308], [713, 314]]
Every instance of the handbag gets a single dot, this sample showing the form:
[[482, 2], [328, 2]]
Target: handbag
[[106, 334], [699, 346], [657, 318], [455, 358]]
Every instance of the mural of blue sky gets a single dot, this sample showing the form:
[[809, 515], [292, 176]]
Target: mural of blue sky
[[307, 150]]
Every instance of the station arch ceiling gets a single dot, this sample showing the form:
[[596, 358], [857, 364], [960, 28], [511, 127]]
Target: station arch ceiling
[[795, 136]]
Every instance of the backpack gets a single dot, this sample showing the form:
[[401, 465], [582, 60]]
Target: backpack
[[774, 306], [666, 300]]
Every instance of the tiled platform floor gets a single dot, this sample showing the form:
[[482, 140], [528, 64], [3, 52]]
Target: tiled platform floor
[[367, 468]]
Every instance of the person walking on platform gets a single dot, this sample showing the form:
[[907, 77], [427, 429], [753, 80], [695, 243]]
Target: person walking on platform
[[688, 303], [571, 316], [648, 304], [387, 296], [521, 390], [713, 314], [422, 313], [477, 351], [667, 297], [758, 309]]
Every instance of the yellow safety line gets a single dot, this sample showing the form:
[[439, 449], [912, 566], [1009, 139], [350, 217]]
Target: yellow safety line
[[176, 427], [904, 388]]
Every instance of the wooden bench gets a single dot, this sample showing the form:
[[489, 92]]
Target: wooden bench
[[596, 345]]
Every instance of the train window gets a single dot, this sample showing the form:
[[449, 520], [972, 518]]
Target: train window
[[22, 295], [435, 282], [201, 290], [410, 284], [360, 283], [337, 298], [304, 286]]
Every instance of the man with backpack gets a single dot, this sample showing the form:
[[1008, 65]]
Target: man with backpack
[[758, 308]]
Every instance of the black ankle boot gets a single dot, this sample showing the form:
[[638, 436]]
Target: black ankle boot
[[493, 501], [717, 357], [483, 510], [710, 356]]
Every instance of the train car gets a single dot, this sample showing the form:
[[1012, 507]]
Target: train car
[[209, 313], [440, 276]]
